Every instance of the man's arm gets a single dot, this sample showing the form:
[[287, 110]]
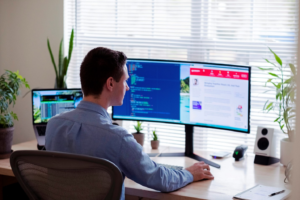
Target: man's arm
[[137, 165], [200, 171]]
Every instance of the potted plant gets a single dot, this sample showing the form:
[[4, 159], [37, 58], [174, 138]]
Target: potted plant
[[63, 62], [10, 83], [138, 136], [155, 141], [283, 103]]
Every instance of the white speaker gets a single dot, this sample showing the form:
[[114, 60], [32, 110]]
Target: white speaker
[[265, 146]]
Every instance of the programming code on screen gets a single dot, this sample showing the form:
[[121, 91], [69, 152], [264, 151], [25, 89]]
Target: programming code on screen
[[147, 94]]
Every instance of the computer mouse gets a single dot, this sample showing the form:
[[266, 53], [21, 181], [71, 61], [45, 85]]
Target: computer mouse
[[239, 152]]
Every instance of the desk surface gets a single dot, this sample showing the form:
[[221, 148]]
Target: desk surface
[[232, 178]]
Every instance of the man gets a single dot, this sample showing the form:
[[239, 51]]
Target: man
[[195, 81], [88, 129]]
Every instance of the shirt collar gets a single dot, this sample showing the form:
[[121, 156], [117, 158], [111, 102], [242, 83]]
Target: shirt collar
[[87, 105]]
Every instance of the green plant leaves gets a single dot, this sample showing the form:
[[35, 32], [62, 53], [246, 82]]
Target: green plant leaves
[[268, 81], [14, 115], [138, 127], [285, 93], [63, 62], [52, 58], [272, 74], [154, 136], [9, 90], [287, 81], [70, 46], [265, 68], [60, 57], [292, 67], [279, 96], [65, 66], [270, 63], [276, 57], [276, 119], [269, 106]]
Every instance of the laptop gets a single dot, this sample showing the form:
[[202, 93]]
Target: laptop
[[46, 103]]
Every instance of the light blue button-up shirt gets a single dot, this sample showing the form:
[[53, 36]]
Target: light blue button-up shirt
[[88, 130]]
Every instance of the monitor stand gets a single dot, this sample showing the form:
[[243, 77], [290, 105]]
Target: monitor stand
[[189, 148]]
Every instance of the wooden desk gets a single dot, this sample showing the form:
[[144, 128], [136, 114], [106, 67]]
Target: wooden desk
[[232, 178]]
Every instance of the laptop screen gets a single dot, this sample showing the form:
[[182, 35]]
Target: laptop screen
[[47, 103]]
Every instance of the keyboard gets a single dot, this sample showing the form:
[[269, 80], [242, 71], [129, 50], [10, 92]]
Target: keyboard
[[170, 166], [41, 130]]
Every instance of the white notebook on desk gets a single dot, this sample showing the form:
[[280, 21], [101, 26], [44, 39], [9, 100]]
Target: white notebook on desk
[[262, 192]]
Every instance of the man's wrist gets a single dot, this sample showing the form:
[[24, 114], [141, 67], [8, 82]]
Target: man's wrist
[[189, 175]]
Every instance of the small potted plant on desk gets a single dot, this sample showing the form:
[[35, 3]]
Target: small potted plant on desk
[[138, 135], [9, 90], [283, 104], [155, 141]]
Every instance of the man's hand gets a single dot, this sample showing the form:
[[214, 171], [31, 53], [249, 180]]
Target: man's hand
[[200, 171]]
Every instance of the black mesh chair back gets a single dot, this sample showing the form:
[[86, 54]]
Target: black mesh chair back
[[62, 176]]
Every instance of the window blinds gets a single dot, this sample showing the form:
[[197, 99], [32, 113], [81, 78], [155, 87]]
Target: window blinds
[[219, 31]]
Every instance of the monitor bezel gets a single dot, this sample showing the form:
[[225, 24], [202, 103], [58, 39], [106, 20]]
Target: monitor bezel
[[196, 125], [49, 89]]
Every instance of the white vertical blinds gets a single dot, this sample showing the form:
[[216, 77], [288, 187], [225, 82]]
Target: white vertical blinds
[[219, 31]]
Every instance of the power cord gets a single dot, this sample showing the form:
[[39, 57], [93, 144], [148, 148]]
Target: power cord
[[288, 172]]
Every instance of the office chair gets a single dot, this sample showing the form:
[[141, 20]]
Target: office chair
[[54, 175]]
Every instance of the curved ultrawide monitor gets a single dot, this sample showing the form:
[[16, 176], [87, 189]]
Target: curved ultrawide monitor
[[201, 94]]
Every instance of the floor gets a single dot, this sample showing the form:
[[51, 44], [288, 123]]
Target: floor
[[13, 192]]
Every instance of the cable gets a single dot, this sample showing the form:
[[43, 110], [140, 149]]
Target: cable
[[288, 172]]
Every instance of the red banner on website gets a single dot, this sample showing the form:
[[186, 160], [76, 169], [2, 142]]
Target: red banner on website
[[219, 73]]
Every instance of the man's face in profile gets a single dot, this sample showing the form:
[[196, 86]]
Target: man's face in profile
[[120, 88]]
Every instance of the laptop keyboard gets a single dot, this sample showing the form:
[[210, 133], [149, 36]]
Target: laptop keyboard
[[170, 166], [41, 130]]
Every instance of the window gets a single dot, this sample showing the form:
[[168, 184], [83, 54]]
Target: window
[[220, 31]]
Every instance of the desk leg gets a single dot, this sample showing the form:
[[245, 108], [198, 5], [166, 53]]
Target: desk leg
[[5, 180]]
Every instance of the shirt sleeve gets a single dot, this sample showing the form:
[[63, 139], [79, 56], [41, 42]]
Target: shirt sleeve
[[137, 165]]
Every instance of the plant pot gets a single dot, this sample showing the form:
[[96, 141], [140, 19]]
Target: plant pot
[[139, 137], [286, 151], [154, 144], [6, 137]]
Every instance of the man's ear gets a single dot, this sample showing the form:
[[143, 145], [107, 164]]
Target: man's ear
[[110, 83]]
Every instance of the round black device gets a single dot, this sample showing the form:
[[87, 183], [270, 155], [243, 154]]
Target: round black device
[[264, 131], [263, 143]]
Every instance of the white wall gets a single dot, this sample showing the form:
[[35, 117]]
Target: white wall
[[25, 26]]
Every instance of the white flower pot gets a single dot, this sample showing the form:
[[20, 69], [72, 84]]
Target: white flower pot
[[286, 151]]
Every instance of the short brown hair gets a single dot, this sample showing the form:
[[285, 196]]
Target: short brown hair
[[98, 65]]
